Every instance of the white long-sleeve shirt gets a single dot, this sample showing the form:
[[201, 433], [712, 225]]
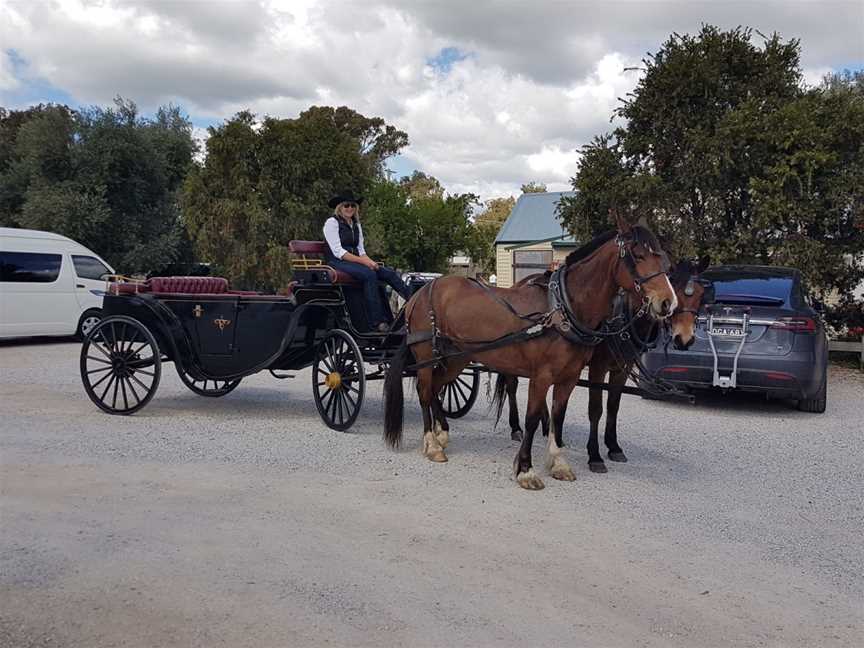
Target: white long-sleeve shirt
[[331, 235]]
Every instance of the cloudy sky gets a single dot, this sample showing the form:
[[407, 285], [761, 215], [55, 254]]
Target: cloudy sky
[[491, 94]]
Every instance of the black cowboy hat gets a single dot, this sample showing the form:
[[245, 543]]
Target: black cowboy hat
[[343, 197]]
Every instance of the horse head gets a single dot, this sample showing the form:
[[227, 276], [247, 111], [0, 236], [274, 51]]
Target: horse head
[[644, 267], [691, 292]]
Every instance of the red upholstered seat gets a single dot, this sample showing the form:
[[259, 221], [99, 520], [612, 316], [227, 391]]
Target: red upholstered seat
[[308, 247], [311, 257], [189, 285]]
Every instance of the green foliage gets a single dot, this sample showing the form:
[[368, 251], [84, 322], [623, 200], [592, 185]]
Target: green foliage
[[103, 176], [486, 226], [729, 155], [533, 187], [260, 187], [416, 233], [420, 185]]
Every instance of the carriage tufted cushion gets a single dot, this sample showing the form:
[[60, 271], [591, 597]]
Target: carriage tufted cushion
[[189, 285]]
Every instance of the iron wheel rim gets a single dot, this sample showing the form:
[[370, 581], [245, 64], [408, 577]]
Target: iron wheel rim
[[338, 399], [458, 396], [121, 365]]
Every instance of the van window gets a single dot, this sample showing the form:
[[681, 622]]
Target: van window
[[88, 267], [29, 267]]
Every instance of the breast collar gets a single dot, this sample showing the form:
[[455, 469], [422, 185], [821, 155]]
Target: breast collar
[[567, 324]]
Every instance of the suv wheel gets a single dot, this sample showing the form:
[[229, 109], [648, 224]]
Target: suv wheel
[[89, 319], [818, 403]]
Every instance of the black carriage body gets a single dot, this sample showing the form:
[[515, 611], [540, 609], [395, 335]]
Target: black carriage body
[[230, 336]]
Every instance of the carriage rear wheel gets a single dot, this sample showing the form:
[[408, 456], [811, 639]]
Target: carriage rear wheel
[[338, 380], [457, 397], [120, 365], [211, 388]]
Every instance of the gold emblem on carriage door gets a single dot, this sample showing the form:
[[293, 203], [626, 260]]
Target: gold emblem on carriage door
[[221, 323], [197, 310]]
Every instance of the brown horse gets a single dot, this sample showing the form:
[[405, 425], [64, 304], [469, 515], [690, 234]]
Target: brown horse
[[616, 359], [453, 321]]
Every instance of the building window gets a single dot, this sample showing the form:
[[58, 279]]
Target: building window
[[530, 262], [29, 267]]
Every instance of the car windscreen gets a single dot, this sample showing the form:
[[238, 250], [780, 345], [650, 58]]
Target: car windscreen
[[765, 290]]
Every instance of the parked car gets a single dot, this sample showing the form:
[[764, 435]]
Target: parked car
[[761, 334], [45, 284]]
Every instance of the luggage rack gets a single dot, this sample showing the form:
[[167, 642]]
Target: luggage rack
[[738, 321]]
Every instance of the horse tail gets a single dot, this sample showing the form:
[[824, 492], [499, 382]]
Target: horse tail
[[497, 403], [394, 397]]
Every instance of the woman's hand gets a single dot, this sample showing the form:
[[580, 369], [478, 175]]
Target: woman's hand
[[369, 263]]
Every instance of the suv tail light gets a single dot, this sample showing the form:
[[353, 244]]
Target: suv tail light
[[795, 324]]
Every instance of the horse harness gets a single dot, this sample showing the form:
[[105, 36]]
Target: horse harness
[[559, 318]]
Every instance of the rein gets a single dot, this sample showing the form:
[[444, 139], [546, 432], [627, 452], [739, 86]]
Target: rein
[[560, 317]]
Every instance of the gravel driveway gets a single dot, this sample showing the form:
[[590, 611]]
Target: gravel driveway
[[243, 521]]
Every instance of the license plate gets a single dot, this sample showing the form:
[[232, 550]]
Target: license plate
[[727, 331]]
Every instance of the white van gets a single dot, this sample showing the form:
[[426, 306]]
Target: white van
[[45, 284]]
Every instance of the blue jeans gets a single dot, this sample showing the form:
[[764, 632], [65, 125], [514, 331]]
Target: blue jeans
[[370, 278]]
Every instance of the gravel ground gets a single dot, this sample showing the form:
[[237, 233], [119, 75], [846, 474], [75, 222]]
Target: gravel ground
[[243, 521]]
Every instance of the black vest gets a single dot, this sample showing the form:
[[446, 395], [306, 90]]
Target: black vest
[[349, 237]]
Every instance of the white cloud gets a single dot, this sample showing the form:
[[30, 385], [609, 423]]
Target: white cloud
[[491, 94]]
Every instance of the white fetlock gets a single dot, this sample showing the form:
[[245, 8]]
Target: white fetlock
[[560, 469], [529, 480], [432, 450], [442, 435]]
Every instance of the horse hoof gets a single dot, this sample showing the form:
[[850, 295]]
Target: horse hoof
[[437, 457], [530, 481], [443, 438], [564, 474], [516, 435], [597, 467], [618, 456]]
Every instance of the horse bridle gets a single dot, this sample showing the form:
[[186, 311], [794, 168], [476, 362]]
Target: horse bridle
[[625, 252]]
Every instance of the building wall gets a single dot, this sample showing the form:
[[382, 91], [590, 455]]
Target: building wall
[[504, 259]]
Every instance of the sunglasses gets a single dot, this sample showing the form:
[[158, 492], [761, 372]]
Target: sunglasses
[[350, 205]]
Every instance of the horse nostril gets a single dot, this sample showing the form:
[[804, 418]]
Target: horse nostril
[[666, 307]]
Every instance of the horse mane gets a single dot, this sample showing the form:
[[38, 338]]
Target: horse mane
[[589, 248]]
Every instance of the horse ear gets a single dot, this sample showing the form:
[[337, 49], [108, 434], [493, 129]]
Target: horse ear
[[704, 262], [620, 222]]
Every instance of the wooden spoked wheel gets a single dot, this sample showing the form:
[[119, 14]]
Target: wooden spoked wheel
[[457, 397], [338, 380], [210, 388], [120, 365]]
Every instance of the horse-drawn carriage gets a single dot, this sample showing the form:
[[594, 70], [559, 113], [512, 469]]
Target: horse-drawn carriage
[[216, 336]]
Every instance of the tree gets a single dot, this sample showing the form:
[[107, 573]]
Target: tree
[[262, 185], [533, 187], [485, 228], [420, 185], [105, 177], [416, 233], [729, 155]]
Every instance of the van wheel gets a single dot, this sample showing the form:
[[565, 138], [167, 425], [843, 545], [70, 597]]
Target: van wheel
[[89, 320]]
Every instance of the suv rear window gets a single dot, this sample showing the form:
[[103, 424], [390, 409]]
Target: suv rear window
[[29, 267], [88, 267], [751, 289]]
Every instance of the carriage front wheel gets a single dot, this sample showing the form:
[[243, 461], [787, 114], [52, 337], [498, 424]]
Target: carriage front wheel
[[457, 397], [120, 365], [338, 380]]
